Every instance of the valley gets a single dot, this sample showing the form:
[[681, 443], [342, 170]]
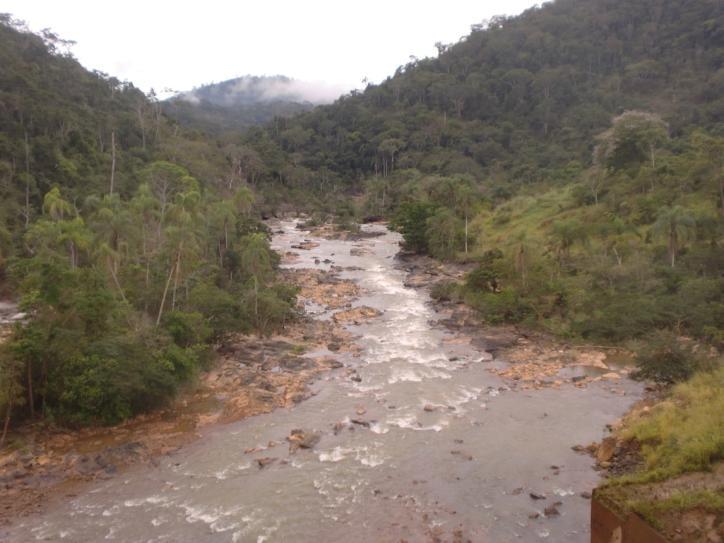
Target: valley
[[415, 437]]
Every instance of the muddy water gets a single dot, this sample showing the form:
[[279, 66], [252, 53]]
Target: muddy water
[[463, 466]]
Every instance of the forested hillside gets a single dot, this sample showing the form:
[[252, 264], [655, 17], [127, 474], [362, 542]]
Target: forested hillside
[[574, 152], [130, 243], [237, 104], [521, 99]]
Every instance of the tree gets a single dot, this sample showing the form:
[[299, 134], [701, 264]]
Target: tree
[[465, 199], [11, 388], [633, 137], [256, 262], [565, 235], [389, 149], [674, 224], [411, 221], [443, 234], [166, 180], [55, 206]]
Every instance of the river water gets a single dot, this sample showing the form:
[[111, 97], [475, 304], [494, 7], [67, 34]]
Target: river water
[[462, 471]]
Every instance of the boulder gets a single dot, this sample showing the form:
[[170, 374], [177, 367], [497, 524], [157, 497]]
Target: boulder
[[301, 439], [606, 449]]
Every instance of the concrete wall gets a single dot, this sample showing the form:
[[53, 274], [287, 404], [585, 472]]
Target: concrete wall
[[610, 527]]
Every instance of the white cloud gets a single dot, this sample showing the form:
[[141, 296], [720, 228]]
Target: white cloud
[[170, 44]]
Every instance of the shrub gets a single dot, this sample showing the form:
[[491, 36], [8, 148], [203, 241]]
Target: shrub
[[621, 317], [119, 377], [506, 306], [664, 359], [445, 291], [221, 307], [187, 329], [270, 308], [411, 221]]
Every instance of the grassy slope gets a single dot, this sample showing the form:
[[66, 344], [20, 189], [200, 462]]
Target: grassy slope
[[682, 445]]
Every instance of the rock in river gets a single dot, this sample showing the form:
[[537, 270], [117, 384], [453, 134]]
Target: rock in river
[[301, 439]]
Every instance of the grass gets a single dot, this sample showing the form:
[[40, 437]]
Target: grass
[[708, 500], [684, 433], [682, 445]]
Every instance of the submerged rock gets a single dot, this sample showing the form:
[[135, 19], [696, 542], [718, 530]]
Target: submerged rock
[[264, 462], [355, 314], [301, 439], [305, 245]]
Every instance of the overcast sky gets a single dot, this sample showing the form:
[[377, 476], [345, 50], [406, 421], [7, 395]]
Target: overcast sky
[[177, 45]]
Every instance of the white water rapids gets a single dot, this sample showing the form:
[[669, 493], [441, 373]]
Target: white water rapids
[[461, 471]]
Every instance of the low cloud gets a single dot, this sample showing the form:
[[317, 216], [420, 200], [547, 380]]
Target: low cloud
[[251, 89]]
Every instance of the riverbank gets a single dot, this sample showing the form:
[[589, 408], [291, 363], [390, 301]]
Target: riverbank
[[250, 376], [535, 360], [418, 437], [684, 508]]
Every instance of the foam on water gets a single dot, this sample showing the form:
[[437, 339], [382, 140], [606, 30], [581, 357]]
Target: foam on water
[[369, 478], [410, 422], [335, 455]]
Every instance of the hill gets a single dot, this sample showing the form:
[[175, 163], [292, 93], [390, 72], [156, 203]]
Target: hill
[[572, 151], [520, 99], [130, 243], [236, 104]]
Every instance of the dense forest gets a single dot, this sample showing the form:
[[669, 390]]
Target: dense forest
[[131, 243], [574, 153], [520, 100], [568, 162], [237, 104]]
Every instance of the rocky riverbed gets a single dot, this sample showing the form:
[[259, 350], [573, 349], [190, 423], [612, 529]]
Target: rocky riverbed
[[252, 375], [418, 425]]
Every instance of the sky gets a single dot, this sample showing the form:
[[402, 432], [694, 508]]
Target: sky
[[177, 45]]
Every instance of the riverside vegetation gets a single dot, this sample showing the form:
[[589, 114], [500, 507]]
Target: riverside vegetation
[[131, 244], [571, 155]]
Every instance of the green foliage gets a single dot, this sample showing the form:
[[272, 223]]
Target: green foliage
[[505, 306], [269, 308], [665, 359], [518, 102], [487, 273], [130, 242], [411, 221], [703, 500], [221, 308], [684, 433], [444, 234], [445, 291], [224, 106], [121, 376], [187, 329]]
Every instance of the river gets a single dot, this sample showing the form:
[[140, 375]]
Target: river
[[451, 453]]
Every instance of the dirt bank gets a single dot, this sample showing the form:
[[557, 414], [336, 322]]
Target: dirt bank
[[535, 360]]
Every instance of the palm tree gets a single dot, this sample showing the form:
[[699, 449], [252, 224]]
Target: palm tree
[[465, 199], [55, 206], [675, 224], [566, 234], [256, 261]]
